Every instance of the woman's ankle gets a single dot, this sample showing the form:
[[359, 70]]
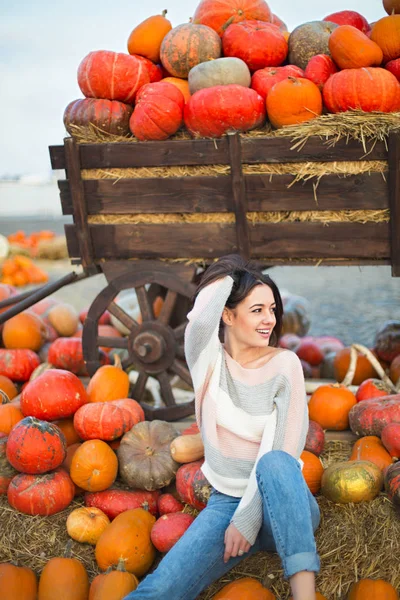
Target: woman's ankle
[[302, 585]]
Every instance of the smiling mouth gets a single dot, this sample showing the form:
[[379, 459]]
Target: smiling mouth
[[263, 331]]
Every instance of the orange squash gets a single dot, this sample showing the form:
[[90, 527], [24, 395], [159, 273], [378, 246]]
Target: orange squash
[[10, 415], [183, 86], [114, 585], [25, 330], [330, 405], [371, 448], [293, 100], [246, 588], [312, 471], [127, 538], [94, 466], [7, 386], [65, 578], [350, 48], [394, 373], [109, 382], [372, 589], [86, 524], [147, 37], [17, 583], [219, 15], [386, 33], [68, 429]]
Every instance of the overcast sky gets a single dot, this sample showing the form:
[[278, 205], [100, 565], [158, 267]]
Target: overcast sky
[[43, 42]]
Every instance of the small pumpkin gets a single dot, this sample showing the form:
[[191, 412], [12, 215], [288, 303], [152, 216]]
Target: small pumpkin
[[192, 486], [371, 448], [36, 446], [94, 466], [7, 472], [310, 351], [264, 80], [102, 421], [133, 407], [146, 38], [221, 71], [69, 431], [308, 40], [158, 112], [64, 578], [364, 369], [315, 440], [17, 583], [24, 331], [67, 354], [127, 538], [349, 17], [167, 503], [369, 418], [387, 340], [352, 481], [391, 6], [8, 387], [394, 372], [64, 318], [296, 316], [43, 495], [114, 585], [392, 483], [372, 589], [293, 101], [219, 15], [115, 501], [18, 365], [350, 48], [108, 115], [109, 382], [187, 448], [329, 406], [386, 34], [246, 588], [312, 471], [181, 84], [85, 525], [168, 529], [319, 69], [390, 436], [10, 415], [372, 388]]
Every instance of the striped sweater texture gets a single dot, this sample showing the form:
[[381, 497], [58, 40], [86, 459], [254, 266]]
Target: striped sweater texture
[[241, 413]]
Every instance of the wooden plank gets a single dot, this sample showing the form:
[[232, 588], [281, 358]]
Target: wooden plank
[[394, 197], [57, 157], [115, 268], [280, 150], [239, 196], [370, 241]]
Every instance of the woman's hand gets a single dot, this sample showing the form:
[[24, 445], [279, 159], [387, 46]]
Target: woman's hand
[[235, 543]]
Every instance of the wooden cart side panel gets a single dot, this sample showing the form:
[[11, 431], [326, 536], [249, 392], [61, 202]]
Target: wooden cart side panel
[[281, 241], [394, 199]]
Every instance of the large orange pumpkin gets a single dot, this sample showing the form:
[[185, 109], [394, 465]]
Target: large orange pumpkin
[[219, 15], [85, 525], [17, 583], [246, 588], [364, 369], [94, 466], [330, 405], [293, 100], [188, 45], [372, 589], [127, 538], [102, 421], [41, 494], [65, 578], [158, 112], [109, 382], [350, 48], [312, 471], [386, 33], [25, 330], [147, 37], [371, 448], [114, 585]]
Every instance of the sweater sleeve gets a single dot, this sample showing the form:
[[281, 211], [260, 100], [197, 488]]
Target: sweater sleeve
[[290, 436]]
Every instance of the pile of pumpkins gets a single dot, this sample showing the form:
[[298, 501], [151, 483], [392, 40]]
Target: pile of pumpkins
[[235, 65]]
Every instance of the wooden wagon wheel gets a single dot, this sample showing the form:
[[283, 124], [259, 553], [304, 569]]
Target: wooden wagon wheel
[[155, 346]]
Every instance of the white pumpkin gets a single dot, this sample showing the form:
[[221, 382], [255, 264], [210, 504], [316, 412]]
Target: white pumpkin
[[221, 71]]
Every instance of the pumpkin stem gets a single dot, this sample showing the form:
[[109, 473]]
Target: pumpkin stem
[[164, 12], [117, 362], [121, 565], [68, 549], [229, 22]]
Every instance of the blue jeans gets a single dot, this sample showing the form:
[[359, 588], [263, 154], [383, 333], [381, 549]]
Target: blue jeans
[[290, 517]]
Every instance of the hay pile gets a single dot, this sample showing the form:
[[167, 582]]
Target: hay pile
[[353, 541]]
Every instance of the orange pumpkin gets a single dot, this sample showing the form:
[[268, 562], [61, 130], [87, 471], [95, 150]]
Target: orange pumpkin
[[94, 466], [127, 538], [330, 405], [293, 100], [372, 589], [147, 37], [86, 525], [109, 382], [364, 369], [114, 585], [69, 431], [7, 386], [219, 15], [64, 578], [10, 415], [350, 48], [371, 448], [312, 471], [183, 86], [246, 588], [25, 330], [17, 583], [386, 33], [394, 372]]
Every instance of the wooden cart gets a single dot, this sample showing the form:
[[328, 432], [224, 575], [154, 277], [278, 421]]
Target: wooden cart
[[129, 254]]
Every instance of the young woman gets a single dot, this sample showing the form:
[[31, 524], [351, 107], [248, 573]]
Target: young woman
[[251, 409]]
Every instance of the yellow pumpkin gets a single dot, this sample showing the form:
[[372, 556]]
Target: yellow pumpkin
[[86, 524], [352, 481]]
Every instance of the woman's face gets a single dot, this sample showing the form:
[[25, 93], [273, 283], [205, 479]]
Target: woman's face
[[252, 321]]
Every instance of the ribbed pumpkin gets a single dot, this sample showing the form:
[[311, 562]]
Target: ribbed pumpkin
[[312, 471], [85, 525], [147, 37], [155, 71], [349, 17], [369, 418], [293, 100], [158, 112], [10, 415], [319, 69], [371, 448], [18, 365], [221, 71], [17, 583], [188, 45], [257, 43], [108, 115], [8, 387], [132, 407], [94, 466], [56, 394], [36, 446], [114, 501], [358, 88], [352, 481], [245, 588], [372, 388], [386, 33], [390, 437], [114, 585], [69, 431], [315, 440], [387, 341], [191, 484], [109, 382], [219, 15], [364, 369], [392, 483], [372, 589], [213, 112], [127, 538], [350, 48], [43, 495], [329, 406], [7, 472], [181, 84], [168, 529], [264, 80], [64, 578], [102, 421], [112, 75]]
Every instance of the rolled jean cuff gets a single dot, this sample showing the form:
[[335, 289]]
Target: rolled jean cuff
[[302, 561]]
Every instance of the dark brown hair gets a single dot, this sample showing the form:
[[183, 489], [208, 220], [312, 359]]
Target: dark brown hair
[[246, 276]]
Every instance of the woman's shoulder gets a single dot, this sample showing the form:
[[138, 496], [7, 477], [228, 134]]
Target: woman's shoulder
[[286, 357]]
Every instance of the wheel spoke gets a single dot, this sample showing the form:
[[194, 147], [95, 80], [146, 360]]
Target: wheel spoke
[[182, 371], [166, 389], [168, 307], [180, 351], [123, 316], [112, 342], [145, 305], [179, 331], [139, 387]]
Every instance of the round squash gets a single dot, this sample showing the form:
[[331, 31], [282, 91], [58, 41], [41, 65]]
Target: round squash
[[127, 538], [85, 525], [392, 483], [215, 111], [364, 369], [296, 316], [167, 504], [319, 69], [394, 373], [182, 85], [36, 446], [113, 585], [69, 431], [8, 387], [369, 418], [42, 495], [25, 330], [102, 421], [168, 529], [308, 40], [133, 407], [371, 448], [221, 71], [312, 471], [349, 17], [17, 583], [114, 501], [264, 80], [219, 15], [191, 485], [245, 588], [155, 71], [144, 456], [390, 437], [109, 382], [257, 43], [315, 440], [94, 466], [350, 48], [372, 589], [391, 6], [387, 340], [64, 578], [329, 406], [64, 319], [352, 481], [10, 415], [158, 112], [186, 46], [18, 365], [147, 37], [293, 101], [372, 388], [386, 33], [108, 115], [7, 472]]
